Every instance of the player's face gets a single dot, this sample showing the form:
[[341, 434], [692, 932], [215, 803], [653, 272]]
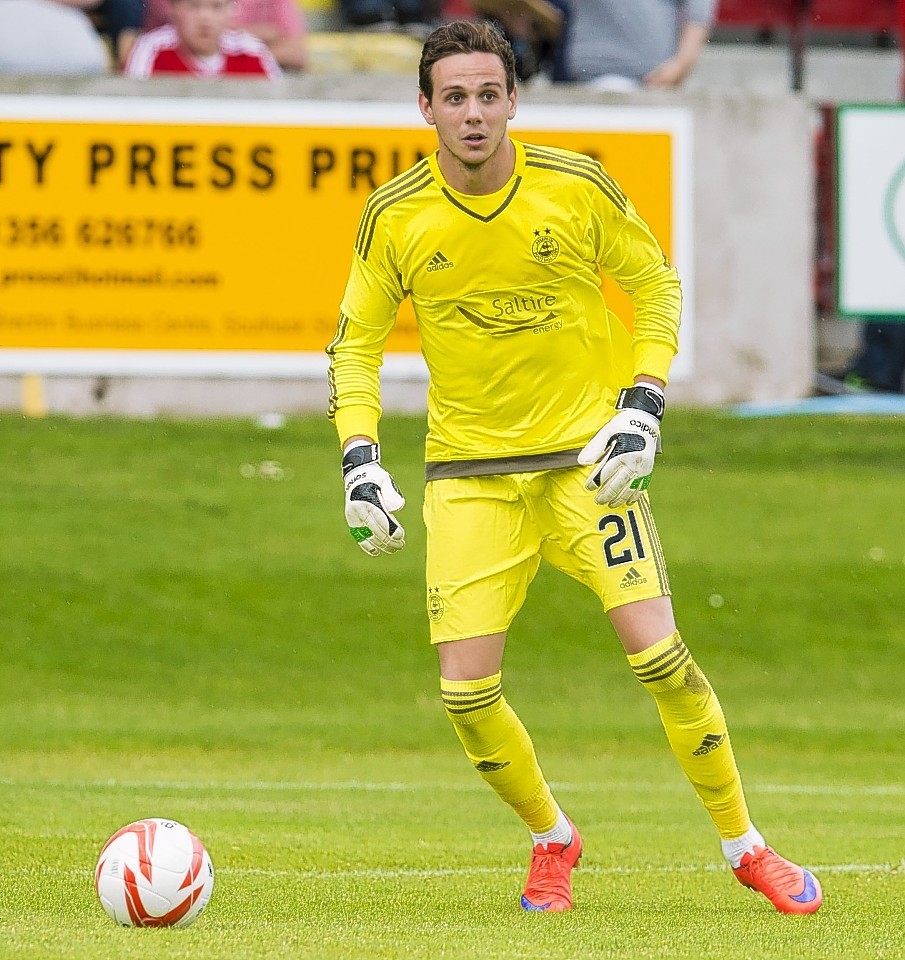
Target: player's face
[[201, 23], [470, 109]]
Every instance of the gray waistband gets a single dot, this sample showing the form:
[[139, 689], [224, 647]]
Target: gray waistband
[[489, 466]]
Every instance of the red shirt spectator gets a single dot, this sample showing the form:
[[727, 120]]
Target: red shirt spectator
[[162, 52], [279, 23]]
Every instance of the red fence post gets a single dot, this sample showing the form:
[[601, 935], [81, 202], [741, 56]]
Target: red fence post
[[902, 43]]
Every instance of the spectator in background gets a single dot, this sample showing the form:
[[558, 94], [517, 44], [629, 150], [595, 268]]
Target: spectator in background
[[537, 30], [200, 42], [627, 44], [880, 364], [46, 37], [279, 23], [119, 21], [414, 14]]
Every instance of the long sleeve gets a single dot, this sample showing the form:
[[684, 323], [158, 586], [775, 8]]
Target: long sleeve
[[367, 315], [636, 262]]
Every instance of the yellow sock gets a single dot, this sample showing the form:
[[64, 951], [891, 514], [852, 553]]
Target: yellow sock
[[500, 748], [696, 730]]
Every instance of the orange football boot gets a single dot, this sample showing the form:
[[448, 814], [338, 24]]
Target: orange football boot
[[549, 883], [790, 888]]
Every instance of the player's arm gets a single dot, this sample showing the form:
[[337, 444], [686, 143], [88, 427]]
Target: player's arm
[[632, 257], [622, 452], [693, 38], [367, 315]]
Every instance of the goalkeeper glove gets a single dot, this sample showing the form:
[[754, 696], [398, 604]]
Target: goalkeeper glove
[[371, 498], [623, 451]]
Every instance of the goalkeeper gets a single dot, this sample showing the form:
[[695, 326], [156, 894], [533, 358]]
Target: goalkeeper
[[543, 423]]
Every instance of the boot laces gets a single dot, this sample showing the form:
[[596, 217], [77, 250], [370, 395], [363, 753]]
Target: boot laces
[[770, 866], [548, 869]]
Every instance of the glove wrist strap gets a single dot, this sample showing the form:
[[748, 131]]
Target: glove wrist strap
[[359, 455], [641, 397]]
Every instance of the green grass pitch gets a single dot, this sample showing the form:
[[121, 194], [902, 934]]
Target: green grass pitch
[[187, 630]]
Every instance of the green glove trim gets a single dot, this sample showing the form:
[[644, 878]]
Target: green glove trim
[[361, 533]]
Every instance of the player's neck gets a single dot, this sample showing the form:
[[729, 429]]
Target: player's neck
[[478, 179]]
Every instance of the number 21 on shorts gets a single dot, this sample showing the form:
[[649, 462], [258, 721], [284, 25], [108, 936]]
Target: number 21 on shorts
[[622, 541]]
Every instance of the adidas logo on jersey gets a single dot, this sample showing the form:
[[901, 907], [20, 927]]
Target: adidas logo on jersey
[[439, 262], [632, 579]]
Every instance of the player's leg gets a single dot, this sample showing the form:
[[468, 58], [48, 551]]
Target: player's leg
[[500, 749], [689, 709], [494, 738], [619, 556], [481, 557], [622, 560], [696, 729]]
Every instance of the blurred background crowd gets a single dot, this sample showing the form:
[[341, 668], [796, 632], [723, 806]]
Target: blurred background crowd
[[611, 44], [604, 45]]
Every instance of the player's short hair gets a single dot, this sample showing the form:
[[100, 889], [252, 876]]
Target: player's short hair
[[464, 36]]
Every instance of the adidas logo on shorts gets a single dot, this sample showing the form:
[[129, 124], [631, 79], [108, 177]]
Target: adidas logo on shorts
[[632, 579]]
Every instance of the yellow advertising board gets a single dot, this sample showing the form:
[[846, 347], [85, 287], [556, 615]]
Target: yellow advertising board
[[225, 228]]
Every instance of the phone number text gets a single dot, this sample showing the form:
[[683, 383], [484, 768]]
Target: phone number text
[[99, 232]]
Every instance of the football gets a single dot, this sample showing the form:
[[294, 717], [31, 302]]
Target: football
[[154, 873]]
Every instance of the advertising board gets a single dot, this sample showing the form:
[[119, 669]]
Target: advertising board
[[199, 237]]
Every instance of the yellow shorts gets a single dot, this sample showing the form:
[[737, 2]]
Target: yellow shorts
[[486, 537]]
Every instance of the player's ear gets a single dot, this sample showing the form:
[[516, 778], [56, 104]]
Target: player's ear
[[513, 100], [425, 108]]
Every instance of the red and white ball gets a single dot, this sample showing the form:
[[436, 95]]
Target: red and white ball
[[154, 873]]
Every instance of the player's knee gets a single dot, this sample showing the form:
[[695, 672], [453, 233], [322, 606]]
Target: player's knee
[[468, 701], [668, 668]]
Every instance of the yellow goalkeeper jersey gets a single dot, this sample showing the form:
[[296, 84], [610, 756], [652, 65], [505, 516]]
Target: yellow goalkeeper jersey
[[525, 360]]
